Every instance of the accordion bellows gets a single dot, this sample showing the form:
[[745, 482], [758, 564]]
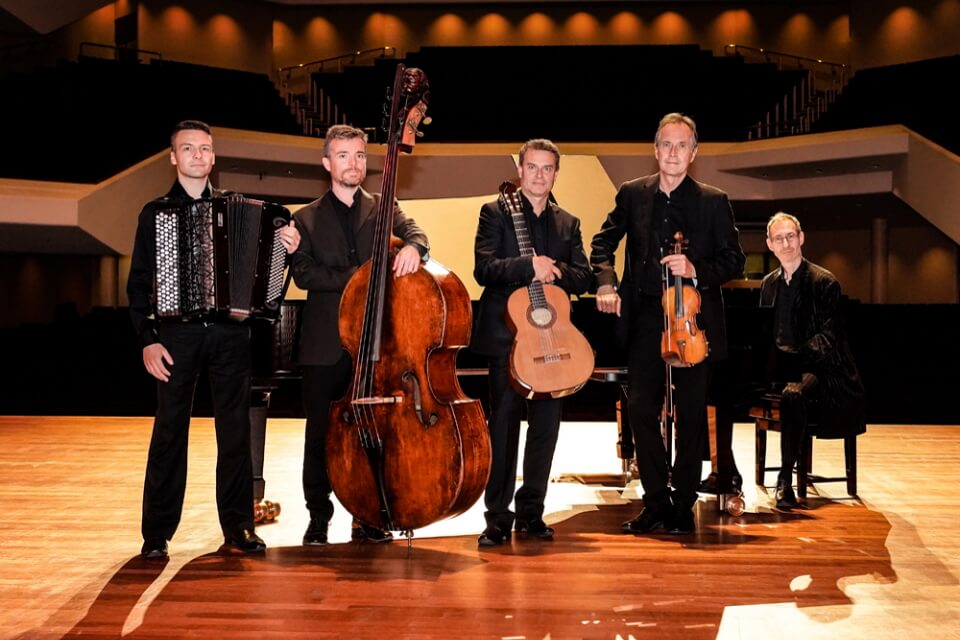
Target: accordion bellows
[[219, 258]]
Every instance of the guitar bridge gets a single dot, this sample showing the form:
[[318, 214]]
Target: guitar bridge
[[552, 357]]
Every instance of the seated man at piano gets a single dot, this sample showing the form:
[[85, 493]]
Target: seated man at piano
[[175, 352], [548, 248], [812, 351]]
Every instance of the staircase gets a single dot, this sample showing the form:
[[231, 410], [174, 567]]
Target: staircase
[[315, 111], [816, 85]]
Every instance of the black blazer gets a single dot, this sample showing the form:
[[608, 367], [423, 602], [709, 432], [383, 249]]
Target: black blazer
[[714, 247], [822, 347], [322, 267], [500, 269]]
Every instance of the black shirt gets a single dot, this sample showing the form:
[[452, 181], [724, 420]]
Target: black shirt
[[537, 226], [669, 216], [784, 327], [346, 214]]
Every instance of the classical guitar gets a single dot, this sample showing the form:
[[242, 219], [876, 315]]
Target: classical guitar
[[550, 358]]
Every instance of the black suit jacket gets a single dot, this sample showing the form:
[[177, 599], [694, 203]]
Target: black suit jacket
[[822, 347], [500, 269], [714, 247], [322, 267]]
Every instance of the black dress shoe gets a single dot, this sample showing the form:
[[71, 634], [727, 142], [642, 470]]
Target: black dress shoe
[[681, 520], [316, 533], [154, 549], [534, 529], [493, 536], [367, 533], [246, 540], [652, 517], [786, 499]]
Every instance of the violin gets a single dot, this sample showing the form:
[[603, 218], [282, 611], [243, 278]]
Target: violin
[[682, 344]]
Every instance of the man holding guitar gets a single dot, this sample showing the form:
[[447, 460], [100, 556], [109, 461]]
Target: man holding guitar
[[650, 211], [546, 249]]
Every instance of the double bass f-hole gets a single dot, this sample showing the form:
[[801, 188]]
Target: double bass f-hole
[[413, 385], [682, 344]]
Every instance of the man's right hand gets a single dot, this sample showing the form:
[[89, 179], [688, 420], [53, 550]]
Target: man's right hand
[[545, 269], [608, 300], [154, 357]]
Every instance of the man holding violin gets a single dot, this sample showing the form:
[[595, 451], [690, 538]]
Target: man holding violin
[[650, 211]]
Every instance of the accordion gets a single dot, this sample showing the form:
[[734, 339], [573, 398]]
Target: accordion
[[220, 258]]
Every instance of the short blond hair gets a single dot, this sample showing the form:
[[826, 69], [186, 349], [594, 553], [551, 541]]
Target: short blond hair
[[781, 216], [677, 118], [341, 132]]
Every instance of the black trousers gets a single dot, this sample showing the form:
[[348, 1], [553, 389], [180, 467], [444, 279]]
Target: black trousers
[[543, 418], [321, 386], [647, 385], [794, 418], [224, 350]]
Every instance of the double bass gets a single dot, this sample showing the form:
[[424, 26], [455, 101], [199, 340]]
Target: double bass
[[405, 446]]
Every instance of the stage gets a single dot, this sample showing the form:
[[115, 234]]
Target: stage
[[885, 565]]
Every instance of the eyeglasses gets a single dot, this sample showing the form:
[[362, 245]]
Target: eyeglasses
[[786, 238]]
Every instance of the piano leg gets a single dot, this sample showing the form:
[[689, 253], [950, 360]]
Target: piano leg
[[625, 446], [263, 510]]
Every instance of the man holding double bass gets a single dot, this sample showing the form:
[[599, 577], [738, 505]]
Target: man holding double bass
[[337, 233], [650, 211], [501, 268]]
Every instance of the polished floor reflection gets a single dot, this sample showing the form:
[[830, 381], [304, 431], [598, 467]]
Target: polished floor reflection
[[879, 567]]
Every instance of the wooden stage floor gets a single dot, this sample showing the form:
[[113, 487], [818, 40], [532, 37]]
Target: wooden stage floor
[[884, 566]]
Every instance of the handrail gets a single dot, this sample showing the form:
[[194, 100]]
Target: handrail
[[116, 48], [731, 49], [384, 51]]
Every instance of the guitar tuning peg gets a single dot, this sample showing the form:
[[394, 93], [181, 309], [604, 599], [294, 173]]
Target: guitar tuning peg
[[419, 134], [426, 120]]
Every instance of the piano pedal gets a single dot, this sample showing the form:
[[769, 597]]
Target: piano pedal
[[733, 504], [265, 511]]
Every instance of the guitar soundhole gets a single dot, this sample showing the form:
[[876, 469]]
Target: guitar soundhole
[[541, 317]]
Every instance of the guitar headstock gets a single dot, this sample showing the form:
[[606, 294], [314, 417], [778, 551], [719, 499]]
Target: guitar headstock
[[510, 198]]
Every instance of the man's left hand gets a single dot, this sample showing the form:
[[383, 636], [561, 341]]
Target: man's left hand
[[407, 261], [679, 265], [290, 237]]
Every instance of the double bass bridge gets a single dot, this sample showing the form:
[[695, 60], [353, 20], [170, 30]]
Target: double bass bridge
[[377, 400]]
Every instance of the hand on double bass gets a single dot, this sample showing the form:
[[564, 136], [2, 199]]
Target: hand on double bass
[[406, 261]]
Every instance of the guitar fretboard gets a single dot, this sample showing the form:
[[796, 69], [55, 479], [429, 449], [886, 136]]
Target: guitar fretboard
[[512, 203]]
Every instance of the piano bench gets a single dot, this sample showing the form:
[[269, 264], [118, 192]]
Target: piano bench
[[767, 418]]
